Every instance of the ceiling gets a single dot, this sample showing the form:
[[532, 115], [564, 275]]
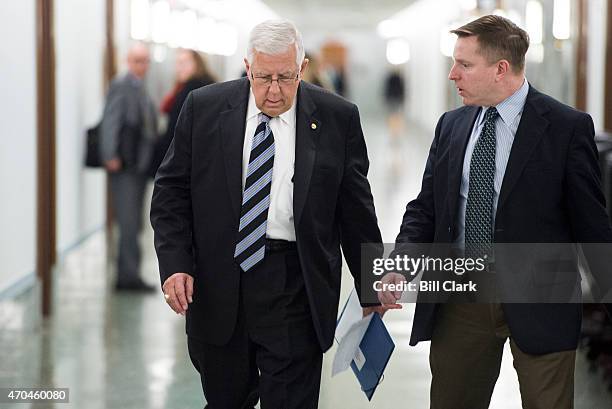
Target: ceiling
[[330, 14]]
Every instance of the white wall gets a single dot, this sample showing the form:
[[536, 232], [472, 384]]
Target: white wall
[[79, 41], [17, 140]]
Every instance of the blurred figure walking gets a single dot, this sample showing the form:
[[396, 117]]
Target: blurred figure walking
[[394, 100], [192, 72], [314, 75], [128, 135]]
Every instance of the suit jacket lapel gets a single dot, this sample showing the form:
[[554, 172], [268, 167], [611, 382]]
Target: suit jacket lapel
[[530, 131], [232, 124], [460, 137], [307, 130]]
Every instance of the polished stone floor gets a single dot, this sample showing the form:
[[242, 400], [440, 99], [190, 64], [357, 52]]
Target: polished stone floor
[[128, 351]]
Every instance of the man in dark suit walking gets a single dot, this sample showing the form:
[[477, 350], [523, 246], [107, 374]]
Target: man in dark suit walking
[[511, 166], [266, 177], [128, 133]]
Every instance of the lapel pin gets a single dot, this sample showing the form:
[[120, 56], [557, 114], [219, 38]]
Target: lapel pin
[[313, 125]]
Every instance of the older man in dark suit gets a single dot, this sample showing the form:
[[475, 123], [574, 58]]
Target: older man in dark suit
[[266, 177], [512, 166]]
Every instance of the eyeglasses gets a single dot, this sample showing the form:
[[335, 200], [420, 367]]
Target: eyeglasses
[[282, 80]]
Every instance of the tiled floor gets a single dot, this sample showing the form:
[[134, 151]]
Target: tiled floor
[[128, 351]]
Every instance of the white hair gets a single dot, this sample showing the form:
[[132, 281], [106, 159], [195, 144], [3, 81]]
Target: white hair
[[275, 37]]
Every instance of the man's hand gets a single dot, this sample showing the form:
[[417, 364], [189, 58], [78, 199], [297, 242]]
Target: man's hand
[[390, 297], [178, 291], [381, 309], [113, 165]]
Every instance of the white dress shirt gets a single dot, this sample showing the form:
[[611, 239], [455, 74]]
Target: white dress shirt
[[280, 215]]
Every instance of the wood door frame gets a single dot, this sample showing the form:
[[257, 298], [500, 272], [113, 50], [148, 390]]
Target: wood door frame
[[110, 70], [581, 56], [45, 150]]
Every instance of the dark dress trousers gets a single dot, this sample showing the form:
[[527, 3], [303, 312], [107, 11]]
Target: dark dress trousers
[[197, 197], [551, 193]]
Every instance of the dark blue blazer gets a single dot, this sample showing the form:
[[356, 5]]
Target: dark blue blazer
[[551, 193], [195, 209]]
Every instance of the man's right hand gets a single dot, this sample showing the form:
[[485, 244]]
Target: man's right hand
[[113, 165], [178, 291], [387, 296]]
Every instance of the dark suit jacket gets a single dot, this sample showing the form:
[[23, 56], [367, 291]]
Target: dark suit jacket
[[126, 104], [551, 193], [198, 191], [164, 141]]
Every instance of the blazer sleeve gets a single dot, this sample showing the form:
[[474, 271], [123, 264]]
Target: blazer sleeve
[[171, 215], [113, 118], [357, 216], [586, 204], [418, 223]]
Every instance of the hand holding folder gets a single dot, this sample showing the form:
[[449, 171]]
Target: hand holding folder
[[364, 344]]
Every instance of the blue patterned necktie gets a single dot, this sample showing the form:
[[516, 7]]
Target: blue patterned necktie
[[251, 245], [479, 208]]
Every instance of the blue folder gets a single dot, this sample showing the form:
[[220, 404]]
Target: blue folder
[[377, 347]]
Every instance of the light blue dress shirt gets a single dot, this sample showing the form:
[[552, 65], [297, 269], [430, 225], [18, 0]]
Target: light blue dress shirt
[[510, 113]]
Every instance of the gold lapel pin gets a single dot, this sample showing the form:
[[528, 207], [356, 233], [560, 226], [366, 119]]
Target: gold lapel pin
[[313, 125]]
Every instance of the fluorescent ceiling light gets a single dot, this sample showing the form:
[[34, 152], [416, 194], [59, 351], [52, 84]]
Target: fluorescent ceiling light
[[160, 21], [398, 51], [534, 21], [189, 23], [468, 5], [561, 19], [139, 16]]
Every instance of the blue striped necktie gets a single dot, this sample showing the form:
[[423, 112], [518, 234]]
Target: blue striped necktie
[[479, 208], [251, 245]]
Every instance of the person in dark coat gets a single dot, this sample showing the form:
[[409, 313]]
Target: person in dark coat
[[191, 73], [263, 184], [128, 139], [511, 166]]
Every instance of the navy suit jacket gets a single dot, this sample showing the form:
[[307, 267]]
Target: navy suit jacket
[[551, 193], [195, 209]]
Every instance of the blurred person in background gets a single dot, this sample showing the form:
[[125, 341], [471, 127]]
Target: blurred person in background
[[333, 65], [263, 183], [127, 136], [315, 76], [394, 94], [192, 72]]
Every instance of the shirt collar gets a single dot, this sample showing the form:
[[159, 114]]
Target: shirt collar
[[287, 117], [133, 79], [510, 107]]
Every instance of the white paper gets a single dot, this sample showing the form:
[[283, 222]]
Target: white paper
[[349, 333], [352, 313], [349, 344]]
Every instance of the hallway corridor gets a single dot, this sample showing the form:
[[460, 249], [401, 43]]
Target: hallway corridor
[[127, 351]]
